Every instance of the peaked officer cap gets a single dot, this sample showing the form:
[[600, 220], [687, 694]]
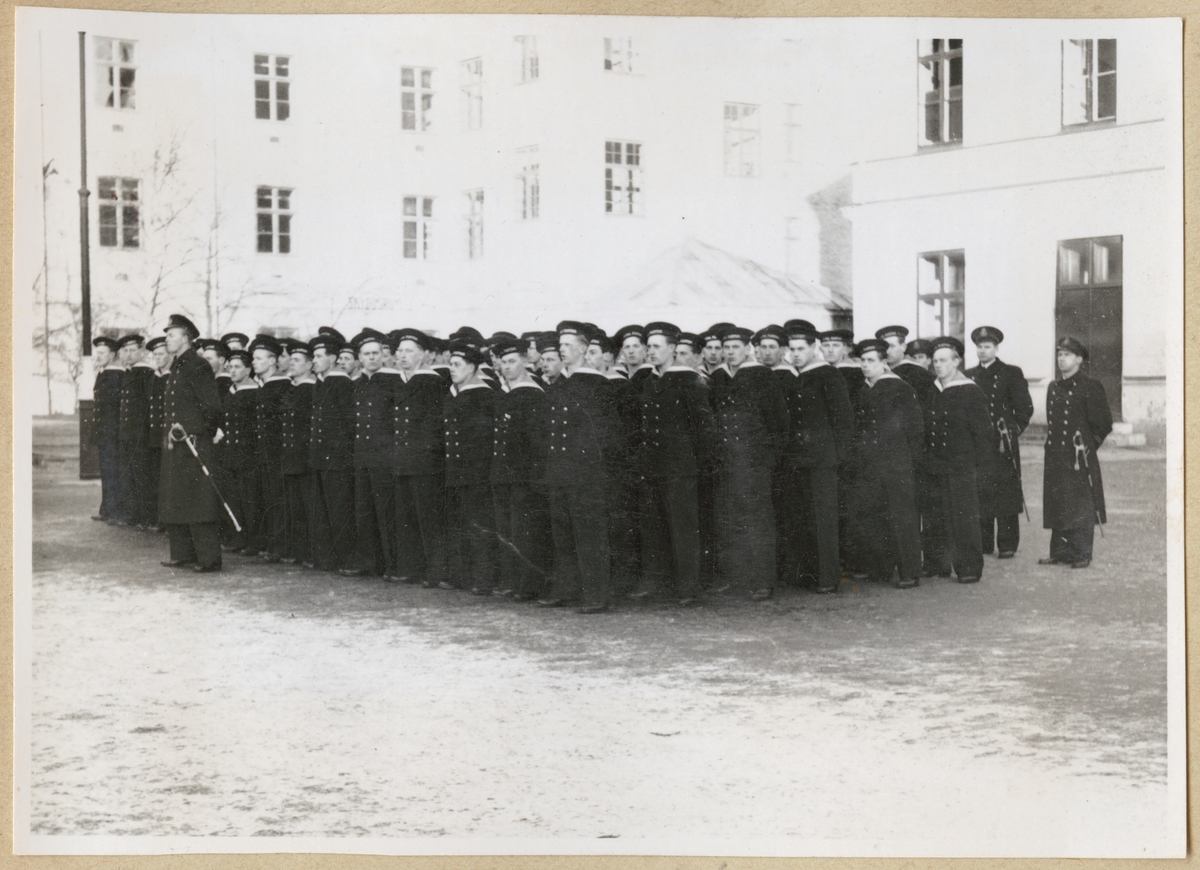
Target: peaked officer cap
[[948, 341], [876, 344], [986, 333], [901, 332], [1074, 346], [178, 321]]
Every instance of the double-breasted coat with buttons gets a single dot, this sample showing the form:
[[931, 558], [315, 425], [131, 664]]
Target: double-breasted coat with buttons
[[268, 422], [236, 451], [1078, 420], [295, 411], [520, 435], [751, 418], [331, 440], [1011, 409], [891, 430], [854, 378], [678, 430], [821, 419], [106, 408], [134, 428], [581, 429], [185, 496], [959, 430], [418, 424], [374, 416], [155, 410], [921, 380], [469, 423]]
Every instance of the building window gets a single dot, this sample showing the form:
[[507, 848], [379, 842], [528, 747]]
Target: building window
[[474, 218], [274, 220], [527, 58], [120, 217], [1089, 262], [618, 54], [272, 87], [940, 282], [528, 187], [416, 98], [792, 132], [940, 67], [741, 139], [418, 226], [1089, 81], [115, 73], [472, 88], [623, 178]]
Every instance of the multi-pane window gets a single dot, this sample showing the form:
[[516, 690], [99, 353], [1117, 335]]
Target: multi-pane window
[[1089, 262], [528, 188], [418, 226], [792, 132], [272, 87], [526, 58], [120, 217], [115, 73], [618, 54], [940, 68], [274, 220], [473, 212], [416, 98], [472, 88], [623, 178], [940, 283], [1089, 80], [742, 128]]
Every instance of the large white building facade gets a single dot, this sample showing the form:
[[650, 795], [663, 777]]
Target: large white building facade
[[1032, 185]]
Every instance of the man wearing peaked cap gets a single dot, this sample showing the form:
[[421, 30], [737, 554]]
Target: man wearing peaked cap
[[958, 449], [888, 453], [331, 457], [106, 427], [1001, 496], [133, 437], [677, 440], [1078, 419], [418, 477], [187, 503], [580, 435], [235, 340], [752, 425]]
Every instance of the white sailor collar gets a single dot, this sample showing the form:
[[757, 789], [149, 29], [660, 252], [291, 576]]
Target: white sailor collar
[[307, 379], [113, 367], [528, 384], [614, 375], [456, 390], [143, 365], [884, 377], [785, 367], [247, 384], [278, 378], [676, 368], [961, 381], [582, 370], [748, 364], [334, 373], [815, 364], [847, 364]]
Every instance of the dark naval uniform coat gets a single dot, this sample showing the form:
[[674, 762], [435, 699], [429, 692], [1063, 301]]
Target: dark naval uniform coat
[[268, 435], [752, 428], [331, 460], [889, 450], [132, 444], [624, 511], [154, 438], [106, 425], [469, 419], [580, 433], [374, 489], [677, 439], [1001, 498], [958, 449], [187, 502], [1078, 420], [419, 480], [295, 410], [819, 436], [519, 445], [238, 457]]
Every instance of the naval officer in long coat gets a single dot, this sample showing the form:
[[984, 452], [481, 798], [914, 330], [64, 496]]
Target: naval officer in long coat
[[1000, 495], [1078, 420]]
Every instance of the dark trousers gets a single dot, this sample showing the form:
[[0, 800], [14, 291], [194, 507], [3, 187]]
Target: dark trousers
[[887, 525], [745, 528], [579, 524], [227, 485], [331, 522], [297, 490], [244, 496], [932, 535], [623, 531], [849, 553], [1002, 534], [670, 537], [154, 467], [954, 534], [1072, 545], [136, 483], [273, 508], [816, 530], [374, 503], [111, 496], [420, 527], [471, 541], [787, 523], [706, 491], [195, 542], [522, 538]]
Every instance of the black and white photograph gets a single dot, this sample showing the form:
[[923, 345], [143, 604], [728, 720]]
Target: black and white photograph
[[598, 435]]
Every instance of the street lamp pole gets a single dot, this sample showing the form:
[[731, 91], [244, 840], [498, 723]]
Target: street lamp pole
[[85, 267]]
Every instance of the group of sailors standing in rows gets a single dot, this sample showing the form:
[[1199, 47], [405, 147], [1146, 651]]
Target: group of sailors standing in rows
[[575, 468]]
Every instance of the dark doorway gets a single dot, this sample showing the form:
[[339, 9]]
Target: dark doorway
[[1088, 307]]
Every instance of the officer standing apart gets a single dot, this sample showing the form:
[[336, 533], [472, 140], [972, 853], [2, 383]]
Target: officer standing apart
[[958, 452], [1000, 495], [1078, 420], [187, 503]]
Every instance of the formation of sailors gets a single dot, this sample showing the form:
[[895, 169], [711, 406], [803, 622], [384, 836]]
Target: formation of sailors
[[574, 467]]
